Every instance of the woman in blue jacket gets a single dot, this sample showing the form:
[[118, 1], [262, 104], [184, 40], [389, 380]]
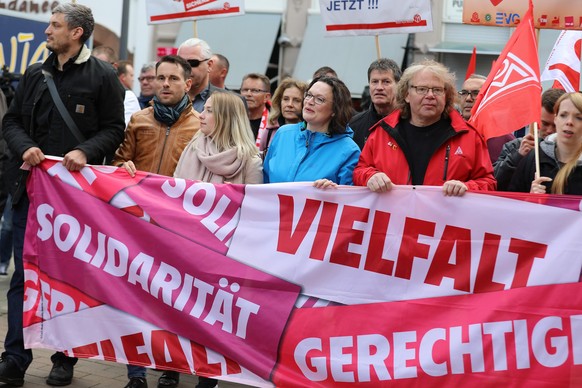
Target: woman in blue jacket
[[319, 149]]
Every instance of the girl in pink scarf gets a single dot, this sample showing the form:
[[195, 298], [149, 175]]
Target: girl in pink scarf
[[223, 151]]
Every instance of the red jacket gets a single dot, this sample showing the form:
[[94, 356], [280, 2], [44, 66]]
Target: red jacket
[[468, 159]]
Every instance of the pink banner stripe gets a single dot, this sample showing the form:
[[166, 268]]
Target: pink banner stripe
[[156, 275], [524, 337]]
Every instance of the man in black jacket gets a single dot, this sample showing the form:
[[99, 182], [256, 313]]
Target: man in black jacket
[[515, 150], [383, 75], [33, 128]]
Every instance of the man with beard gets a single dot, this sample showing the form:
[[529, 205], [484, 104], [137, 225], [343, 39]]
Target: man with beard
[[383, 75], [33, 128], [154, 141]]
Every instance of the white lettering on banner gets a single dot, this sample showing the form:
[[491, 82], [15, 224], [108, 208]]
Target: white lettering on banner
[[351, 358], [55, 302], [452, 257], [114, 258], [198, 200], [60, 171]]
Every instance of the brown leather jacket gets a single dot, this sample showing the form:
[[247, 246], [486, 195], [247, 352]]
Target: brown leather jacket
[[153, 146]]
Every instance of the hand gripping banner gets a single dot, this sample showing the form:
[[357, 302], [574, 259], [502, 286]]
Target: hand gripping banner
[[156, 275], [293, 286]]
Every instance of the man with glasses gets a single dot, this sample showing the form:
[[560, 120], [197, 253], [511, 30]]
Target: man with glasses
[[467, 97], [469, 92], [198, 54], [146, 84], [426, 141], [256, 89]]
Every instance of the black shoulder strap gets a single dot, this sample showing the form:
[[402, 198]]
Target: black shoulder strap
[[61, 107]]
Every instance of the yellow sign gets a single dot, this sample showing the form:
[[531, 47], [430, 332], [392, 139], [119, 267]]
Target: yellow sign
[[548, 14]]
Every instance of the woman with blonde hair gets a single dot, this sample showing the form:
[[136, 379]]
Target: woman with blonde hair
[[560, 154], [223, 151], [286, 107]]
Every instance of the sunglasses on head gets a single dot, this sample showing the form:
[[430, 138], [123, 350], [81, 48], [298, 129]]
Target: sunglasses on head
[[196, 62]]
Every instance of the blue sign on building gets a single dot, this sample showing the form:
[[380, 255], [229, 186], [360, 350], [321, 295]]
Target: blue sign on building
[[22, 42]]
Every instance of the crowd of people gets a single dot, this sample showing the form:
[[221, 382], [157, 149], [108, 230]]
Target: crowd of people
[[79, 105]]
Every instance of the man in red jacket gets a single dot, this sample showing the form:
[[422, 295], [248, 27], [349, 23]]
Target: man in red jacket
[[426, 141]]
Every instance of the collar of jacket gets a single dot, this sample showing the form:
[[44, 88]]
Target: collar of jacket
[[82, 57], [457, 121]]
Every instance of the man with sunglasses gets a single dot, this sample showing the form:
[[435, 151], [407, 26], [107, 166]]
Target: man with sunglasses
[[198, 54], [467, 96]]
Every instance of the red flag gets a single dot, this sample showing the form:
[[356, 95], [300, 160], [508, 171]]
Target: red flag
[[563, 65], [511, 96], [472, 64]]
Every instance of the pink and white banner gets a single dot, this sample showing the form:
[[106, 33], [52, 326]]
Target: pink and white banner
[[288, 285], [375, 17], [171, 11]]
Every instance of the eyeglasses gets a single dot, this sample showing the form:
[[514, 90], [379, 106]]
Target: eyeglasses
[[318, 100], [466, 93], [196, 62], [148, 78], [252, 91], [423, 90]]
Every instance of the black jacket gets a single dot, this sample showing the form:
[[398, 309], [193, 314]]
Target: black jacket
[[549, 167], [505, 165], [361, 124], [91, 92]]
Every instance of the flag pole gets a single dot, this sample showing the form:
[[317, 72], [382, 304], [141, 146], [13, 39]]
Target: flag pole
[[535, 123], [537, 154], [377, 38]]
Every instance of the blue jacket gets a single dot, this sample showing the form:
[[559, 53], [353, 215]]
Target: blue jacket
[[298, 155]]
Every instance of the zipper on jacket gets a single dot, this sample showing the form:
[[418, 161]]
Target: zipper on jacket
[[447, 152], [163, 148]]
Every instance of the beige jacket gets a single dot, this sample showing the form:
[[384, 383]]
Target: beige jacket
[[203, 162]]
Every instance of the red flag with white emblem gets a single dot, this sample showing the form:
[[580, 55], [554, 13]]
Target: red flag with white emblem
[[511, 96], [563, 65]]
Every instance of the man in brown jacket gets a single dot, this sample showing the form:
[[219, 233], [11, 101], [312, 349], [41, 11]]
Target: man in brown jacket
[[154, 141], [157, 135]]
